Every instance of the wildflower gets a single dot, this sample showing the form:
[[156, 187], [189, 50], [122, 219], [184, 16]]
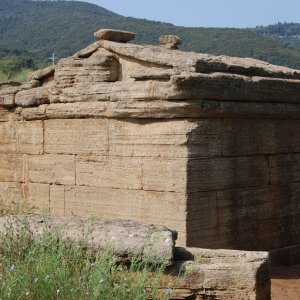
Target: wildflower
[[47, 277], [102, 280], [12, 267], [168, 291], [27, 293], [35, 280]]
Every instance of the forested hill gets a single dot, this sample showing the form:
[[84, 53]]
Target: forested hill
[[63, 27], [288, 34]]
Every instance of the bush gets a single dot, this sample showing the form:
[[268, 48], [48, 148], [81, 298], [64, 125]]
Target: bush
[[17, 67]]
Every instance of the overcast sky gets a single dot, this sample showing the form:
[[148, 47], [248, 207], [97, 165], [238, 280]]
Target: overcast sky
[[208, 13]]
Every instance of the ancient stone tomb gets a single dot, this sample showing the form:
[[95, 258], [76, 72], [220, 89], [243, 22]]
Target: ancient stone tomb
[[207, 145]]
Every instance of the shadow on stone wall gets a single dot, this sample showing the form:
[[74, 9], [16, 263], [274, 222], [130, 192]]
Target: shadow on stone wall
[[240, 193]]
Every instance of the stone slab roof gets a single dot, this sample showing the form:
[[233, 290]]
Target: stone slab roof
[[115, 78]]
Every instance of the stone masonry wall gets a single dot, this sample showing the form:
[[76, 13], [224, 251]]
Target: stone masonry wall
[[206, 145], [220, 182], [98, 167], [245, 193]]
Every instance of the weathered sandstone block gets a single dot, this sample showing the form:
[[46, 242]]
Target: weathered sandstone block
[[246, 137], [88, 51], [76, 110], [11, 194], [224, 274], [139, 205], [33, 97], [57, 200], [110, 172], [30, 137], [51, 168], [9, 89], [97, 68], [170, 41], [114, 35], [37, 197], [219, 173], [125, 238], [85, 137], [285, 169], [11, 168], [172, 174], [199, 62], [7, 137], [41, 74], [287, 136]]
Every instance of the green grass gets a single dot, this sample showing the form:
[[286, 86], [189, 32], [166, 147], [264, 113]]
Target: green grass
[[21, 76], [3, 77], [52, 268]]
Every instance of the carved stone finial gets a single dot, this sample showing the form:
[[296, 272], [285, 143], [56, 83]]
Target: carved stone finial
[[114, 35], [170, 41]]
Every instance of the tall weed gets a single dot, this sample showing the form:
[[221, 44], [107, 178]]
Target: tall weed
[[50, 267]]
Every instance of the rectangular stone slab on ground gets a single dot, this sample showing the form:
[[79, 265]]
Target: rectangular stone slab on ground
[[126, 239]]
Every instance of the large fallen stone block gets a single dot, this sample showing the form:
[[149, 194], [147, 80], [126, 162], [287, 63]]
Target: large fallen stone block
[[222, 274], [127, 239]]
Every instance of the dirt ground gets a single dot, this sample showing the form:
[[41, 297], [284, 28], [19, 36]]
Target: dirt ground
[[286, 283]]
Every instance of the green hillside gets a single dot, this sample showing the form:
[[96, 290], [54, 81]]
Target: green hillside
[[287, 34], [15, 64], [63, 27]]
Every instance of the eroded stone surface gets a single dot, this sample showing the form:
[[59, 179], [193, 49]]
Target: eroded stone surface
[[114, 35], [225, 274], [170, 41], [120, 74], [125, 238], [42, 74]]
